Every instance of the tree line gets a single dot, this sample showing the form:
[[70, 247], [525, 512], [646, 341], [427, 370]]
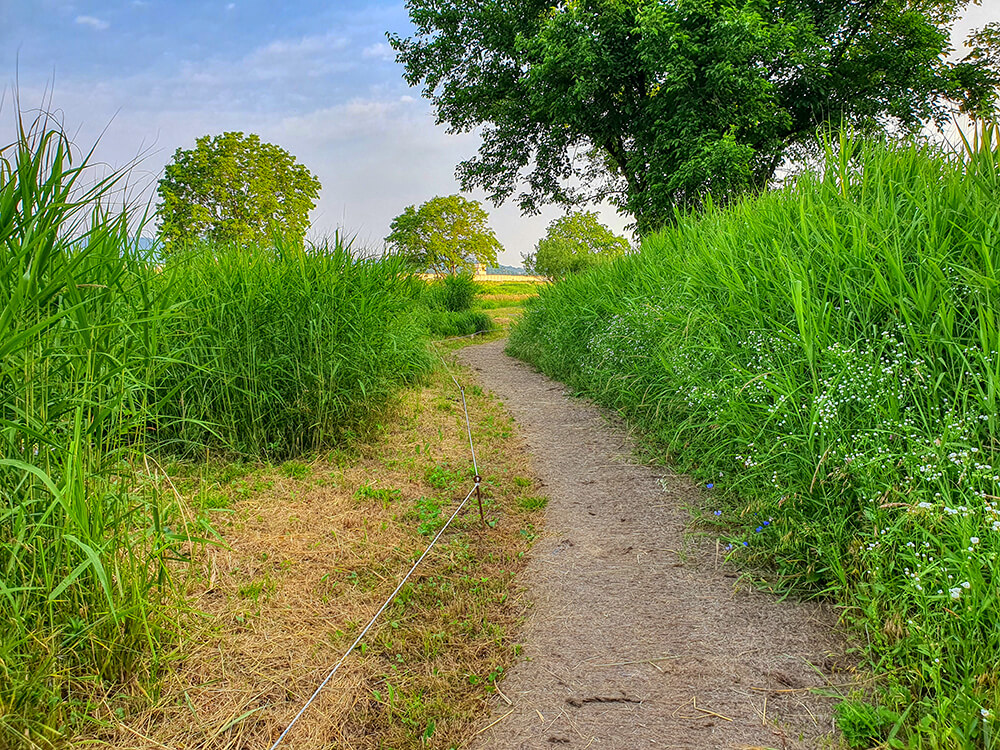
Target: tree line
[[658, 107]]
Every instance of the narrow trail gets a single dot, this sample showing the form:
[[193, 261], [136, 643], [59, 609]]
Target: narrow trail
[[637, 637]]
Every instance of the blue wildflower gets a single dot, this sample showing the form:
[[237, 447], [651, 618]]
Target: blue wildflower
[[760, 529], [710, 485], [718, 513]]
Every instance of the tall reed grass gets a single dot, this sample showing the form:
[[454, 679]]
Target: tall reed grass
[[282, 350], [446, 307], [825, 359], [106, 361], [82, 557]]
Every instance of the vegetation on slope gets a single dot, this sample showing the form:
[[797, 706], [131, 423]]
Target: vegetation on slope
[[826, 359]]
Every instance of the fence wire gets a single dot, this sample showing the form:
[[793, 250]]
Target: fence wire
[[475, 490]]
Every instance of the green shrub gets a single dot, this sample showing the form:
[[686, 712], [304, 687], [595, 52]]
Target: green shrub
[[453, 293], [459, 292], [863, 724], [825, 358]]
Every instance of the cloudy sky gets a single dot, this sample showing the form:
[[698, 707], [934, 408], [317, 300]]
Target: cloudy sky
[[313, 76]]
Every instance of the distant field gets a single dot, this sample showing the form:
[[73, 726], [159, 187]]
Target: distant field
[[491, 289], [504, 302]]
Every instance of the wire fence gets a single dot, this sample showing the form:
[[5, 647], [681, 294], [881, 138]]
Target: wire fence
[[474, 490]]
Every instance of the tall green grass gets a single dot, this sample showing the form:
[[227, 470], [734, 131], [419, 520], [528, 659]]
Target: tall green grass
[[107, 361], [82, 557], [446, 307], [282, 350], [825, 359]]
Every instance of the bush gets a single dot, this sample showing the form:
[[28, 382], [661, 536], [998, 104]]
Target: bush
[[826, 357]]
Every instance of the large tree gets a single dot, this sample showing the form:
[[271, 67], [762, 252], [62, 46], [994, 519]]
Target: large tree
[[235, 188], [659, 104], [448, 233], [573, 243]]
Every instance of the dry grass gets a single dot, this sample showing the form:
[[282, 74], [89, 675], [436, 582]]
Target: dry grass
[[312, 552]]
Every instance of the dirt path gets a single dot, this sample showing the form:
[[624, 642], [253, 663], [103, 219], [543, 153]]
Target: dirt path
[[637, 638]]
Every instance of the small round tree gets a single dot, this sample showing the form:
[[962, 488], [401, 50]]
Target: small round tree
[[234, 188], [449, 233], [573, 243]]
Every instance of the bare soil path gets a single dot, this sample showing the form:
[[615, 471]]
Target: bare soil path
[[638, 637]]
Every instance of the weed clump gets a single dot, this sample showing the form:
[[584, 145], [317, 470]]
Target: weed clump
[[446, 307]]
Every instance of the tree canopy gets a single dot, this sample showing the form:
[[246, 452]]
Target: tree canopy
[[573, 243], [660, 104], [447, 233], [235, 188]]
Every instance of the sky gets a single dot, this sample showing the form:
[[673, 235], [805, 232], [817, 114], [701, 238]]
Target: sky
[[142, 78]]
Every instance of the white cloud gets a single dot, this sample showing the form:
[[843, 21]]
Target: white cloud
[[310, 56], [357, 119], [379, 51], [95, 23]]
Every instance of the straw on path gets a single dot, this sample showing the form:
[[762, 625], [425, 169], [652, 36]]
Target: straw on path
[[631, 644]]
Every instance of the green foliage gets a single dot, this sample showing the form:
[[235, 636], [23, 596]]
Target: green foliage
[[863, 724], [449, 233], [659, 105], [235, 189], [105, 362], [573, 243], [444, 324], [384, 495], [447, 307], [285, 349], [429, 515], [532, 502], [85, 543], [825, 359], [459, 292]]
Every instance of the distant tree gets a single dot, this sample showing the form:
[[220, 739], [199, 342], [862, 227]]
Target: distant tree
[[448, 233], [234, 188], [657, 105], [573, 243]]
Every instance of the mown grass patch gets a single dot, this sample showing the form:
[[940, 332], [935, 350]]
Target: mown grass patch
[[825, 359], [307, 561]]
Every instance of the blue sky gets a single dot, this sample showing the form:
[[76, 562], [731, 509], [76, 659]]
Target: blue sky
[[317, 78]]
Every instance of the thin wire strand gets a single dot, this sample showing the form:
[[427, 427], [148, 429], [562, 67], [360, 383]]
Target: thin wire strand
[[465, 407], [468, 426], [372, 621]]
